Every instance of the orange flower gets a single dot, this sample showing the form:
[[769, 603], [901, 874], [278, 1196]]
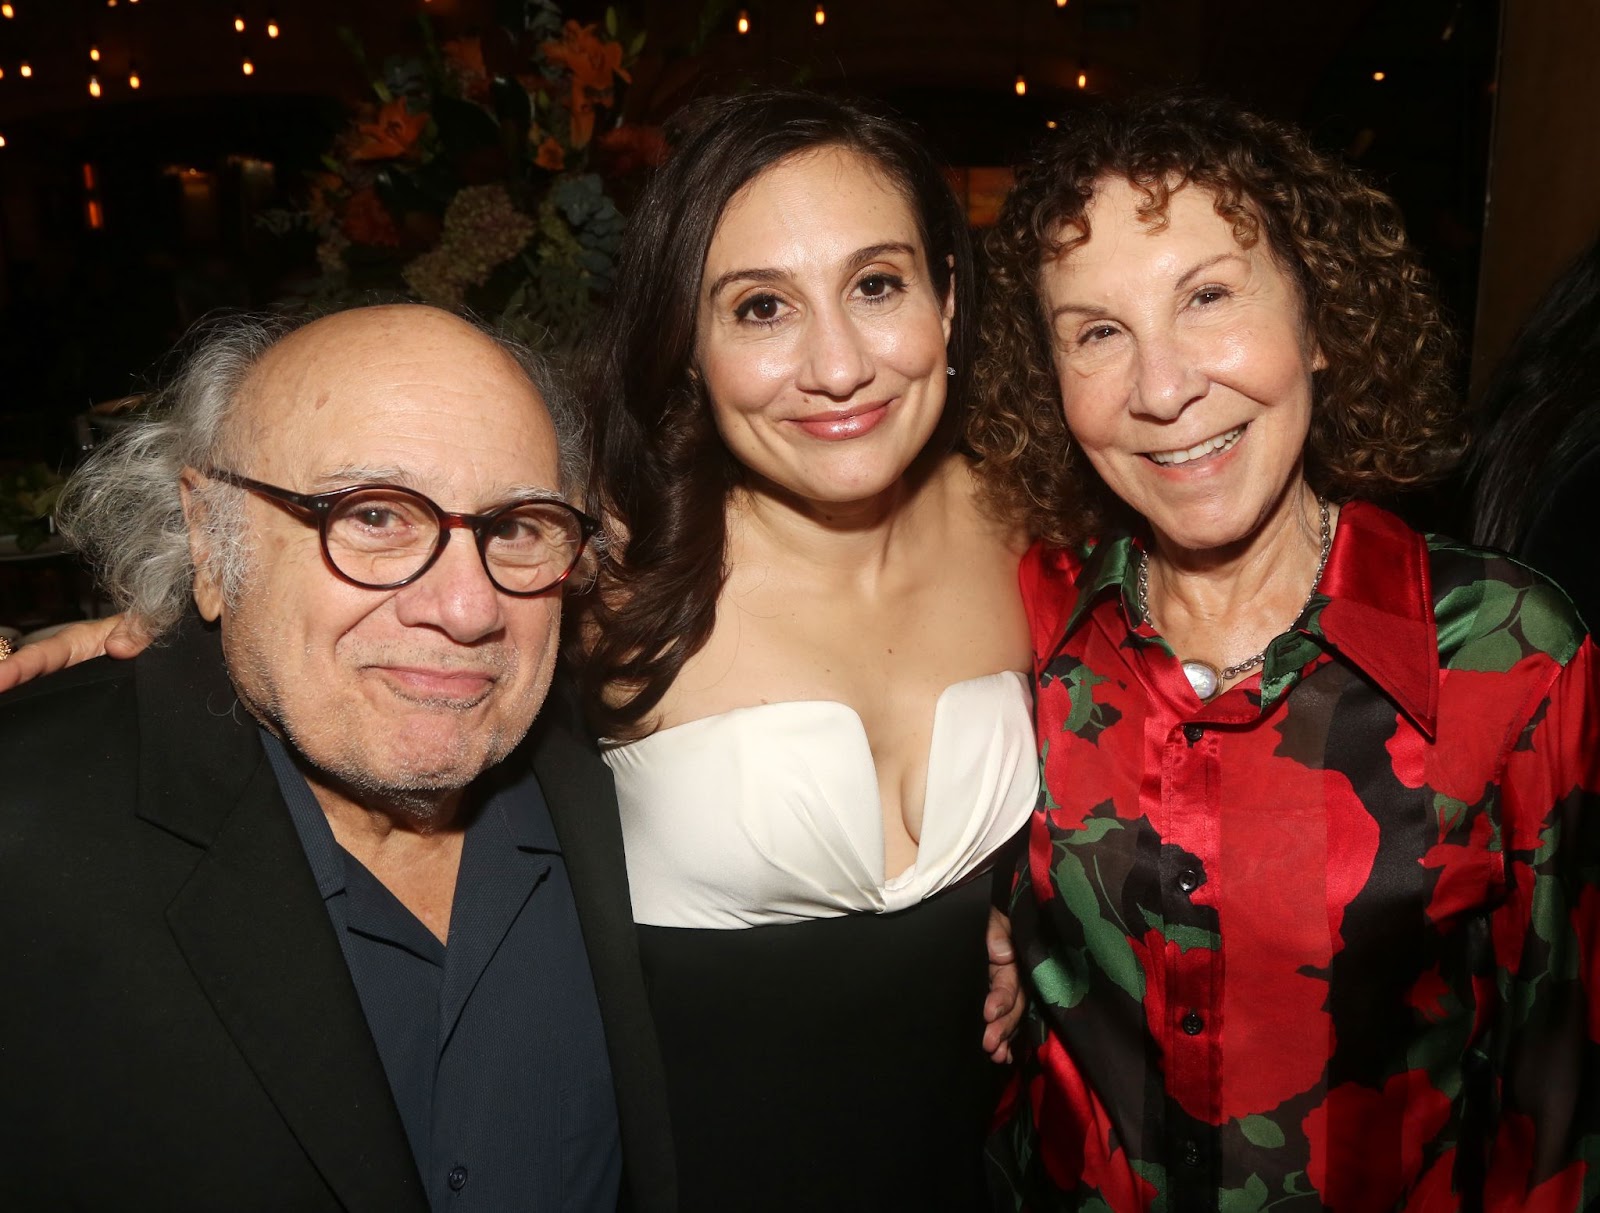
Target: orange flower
[[392, 135], [594, 63], [550, 155], [367, 220]]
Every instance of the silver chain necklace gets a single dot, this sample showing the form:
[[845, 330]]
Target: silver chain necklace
[[1204, 677]]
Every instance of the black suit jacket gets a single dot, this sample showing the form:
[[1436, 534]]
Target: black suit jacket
[[178, 1030]]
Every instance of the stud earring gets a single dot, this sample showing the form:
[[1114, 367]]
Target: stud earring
[[949, 370]]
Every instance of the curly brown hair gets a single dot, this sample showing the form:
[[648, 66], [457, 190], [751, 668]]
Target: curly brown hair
[[1386, 415]]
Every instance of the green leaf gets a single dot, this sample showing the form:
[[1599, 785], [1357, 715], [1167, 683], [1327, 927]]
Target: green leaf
[[1107, 942], [1495, 653], [1062, 981], [637, 44], [1247, 1199], [1093, 831], [1547, 623], [1260, 1131], [1185, 937], [1291, 1187], [1449, 810], [611, 21]]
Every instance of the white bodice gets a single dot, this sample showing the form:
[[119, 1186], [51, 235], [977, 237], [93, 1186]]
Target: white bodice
[[771, 813]]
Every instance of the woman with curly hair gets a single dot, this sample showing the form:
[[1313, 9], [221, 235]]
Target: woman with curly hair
[[1309, 906]]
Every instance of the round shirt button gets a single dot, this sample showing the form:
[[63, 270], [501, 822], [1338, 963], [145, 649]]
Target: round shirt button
[[1191, 1154], [1193, 733], [1188, 880], [1193, 1024], [457, 1179]]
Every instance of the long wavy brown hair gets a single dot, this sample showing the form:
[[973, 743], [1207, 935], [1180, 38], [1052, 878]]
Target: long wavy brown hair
[[1385, 415], [660, 473]]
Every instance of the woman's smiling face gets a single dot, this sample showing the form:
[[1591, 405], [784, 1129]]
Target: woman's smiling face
[[1185, 365], [821, 337]]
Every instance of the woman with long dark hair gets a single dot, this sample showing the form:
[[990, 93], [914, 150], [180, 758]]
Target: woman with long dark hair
[[804, 651]]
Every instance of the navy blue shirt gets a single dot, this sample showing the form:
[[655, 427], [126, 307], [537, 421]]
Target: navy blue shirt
[[492, 1044]]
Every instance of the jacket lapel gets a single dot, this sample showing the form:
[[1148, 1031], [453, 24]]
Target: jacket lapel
[[254, 930], [582, 800]]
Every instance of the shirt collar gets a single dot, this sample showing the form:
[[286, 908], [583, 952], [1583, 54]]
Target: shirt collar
[[1376, 603], [511, 794], [1379, 610]]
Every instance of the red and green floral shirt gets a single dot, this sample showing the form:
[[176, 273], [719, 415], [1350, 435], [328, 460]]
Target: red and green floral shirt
[[1330, 940]]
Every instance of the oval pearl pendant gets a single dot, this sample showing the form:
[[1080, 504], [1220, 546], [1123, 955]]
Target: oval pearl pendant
[[1203, 678]]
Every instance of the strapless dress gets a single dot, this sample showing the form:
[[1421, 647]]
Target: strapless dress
[[821, 1023]]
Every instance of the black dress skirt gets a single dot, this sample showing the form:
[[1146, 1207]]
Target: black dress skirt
[[829, 1065]]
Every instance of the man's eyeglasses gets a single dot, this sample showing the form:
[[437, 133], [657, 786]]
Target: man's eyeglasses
[[382, 536]]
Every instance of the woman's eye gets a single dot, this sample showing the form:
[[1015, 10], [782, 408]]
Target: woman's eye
[[1098, 333], [878, 286], [1209, 294], [763, 309]]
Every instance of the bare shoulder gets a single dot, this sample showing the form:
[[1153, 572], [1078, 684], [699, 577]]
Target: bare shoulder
[[973, 510]]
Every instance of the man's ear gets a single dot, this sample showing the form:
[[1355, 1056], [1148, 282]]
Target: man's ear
[[207, 590]]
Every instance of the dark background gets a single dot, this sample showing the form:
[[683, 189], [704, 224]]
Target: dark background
[[178, 170]]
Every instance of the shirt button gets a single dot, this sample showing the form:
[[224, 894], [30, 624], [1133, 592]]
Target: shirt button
[[1193, 1024], [1193, 733], [457, 1179], [1188, 880], [1191, 1154]]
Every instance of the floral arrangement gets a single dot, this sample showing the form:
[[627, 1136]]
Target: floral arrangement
[[480, 175]]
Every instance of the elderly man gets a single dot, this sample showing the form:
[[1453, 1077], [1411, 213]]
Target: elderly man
[[299, 913]]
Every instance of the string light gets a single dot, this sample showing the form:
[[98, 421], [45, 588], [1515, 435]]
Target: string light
[[133, 76], [1061, 3], [94, 54], [2, 140], [8, 11], [744, 21], [1021, 85], [25, 70], [1050, 124], [111, 3], [238, 23], [821, 16], [247, 67], [272, 28], [1379, 76], [94, 86], [2, 73], [1083, 79]]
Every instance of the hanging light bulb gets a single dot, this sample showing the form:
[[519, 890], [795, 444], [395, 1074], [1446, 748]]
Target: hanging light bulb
[[1021, 85], [1083, 79], [1050, 124], [744, 21], [94, 86], [25, 70], [272, 28], [8, 11], [94, 54], [247, 67], [1061, 3], [238, 23], [2, 140], [133, 76], [821, 15], [111, 3], [1379, 76]]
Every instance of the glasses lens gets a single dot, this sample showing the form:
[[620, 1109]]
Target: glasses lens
[[381, 536], [532, 546]]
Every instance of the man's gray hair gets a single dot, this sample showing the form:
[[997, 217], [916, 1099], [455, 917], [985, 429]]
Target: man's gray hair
[[123, 510]]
